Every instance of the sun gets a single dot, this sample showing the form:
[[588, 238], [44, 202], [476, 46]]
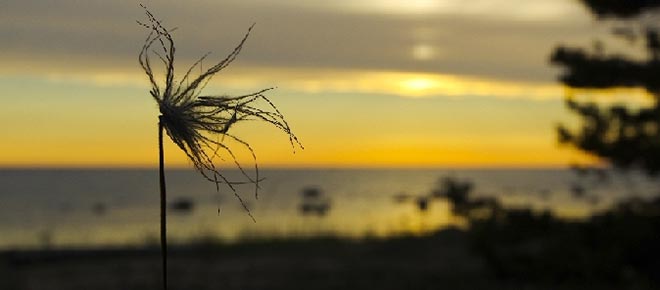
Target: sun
[[422, 5], [407, 7], [417, 85], [422, 52]]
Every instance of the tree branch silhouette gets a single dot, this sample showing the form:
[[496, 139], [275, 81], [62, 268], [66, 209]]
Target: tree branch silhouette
[[626, 137]]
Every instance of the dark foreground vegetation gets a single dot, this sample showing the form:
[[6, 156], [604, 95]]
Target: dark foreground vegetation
[[501, 248], [323, 263], [615, 249]]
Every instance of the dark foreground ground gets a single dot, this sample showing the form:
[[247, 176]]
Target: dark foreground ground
[[406, 263], [441, 261]]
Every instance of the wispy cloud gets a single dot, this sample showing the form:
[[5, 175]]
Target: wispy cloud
[[481, 39], [314, 81], [535, 10], [364, 82], [403, 84]]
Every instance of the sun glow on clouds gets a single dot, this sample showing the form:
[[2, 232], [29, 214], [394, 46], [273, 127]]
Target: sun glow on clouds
[[422, 132], [413, 84], [405, 7], [520, 9], [403, 84], [418, 84]]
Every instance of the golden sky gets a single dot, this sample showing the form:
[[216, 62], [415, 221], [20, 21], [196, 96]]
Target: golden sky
[[370, 83]]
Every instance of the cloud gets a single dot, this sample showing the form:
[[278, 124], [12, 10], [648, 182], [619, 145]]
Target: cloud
[[471, 40], [315, 81], [403, 84], [520, 9]]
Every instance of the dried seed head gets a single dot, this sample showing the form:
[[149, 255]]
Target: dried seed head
[[198, 124]]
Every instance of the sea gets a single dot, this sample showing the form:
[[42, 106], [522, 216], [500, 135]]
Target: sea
[[74, 208]]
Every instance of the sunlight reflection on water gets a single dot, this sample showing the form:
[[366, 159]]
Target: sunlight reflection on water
[[119, 207]]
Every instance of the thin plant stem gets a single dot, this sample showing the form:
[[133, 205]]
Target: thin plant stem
[[163, 201], [198, 124]]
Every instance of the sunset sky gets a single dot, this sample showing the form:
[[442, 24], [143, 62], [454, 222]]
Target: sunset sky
[[363, 83]]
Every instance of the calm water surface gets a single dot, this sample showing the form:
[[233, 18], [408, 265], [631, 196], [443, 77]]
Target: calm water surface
[[66, 207]]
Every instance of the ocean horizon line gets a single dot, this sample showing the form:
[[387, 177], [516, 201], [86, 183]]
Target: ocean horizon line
[[298, 168]]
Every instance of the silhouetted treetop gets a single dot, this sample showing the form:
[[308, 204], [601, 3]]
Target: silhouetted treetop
[[624, 136], [595, 70], [620, 8]]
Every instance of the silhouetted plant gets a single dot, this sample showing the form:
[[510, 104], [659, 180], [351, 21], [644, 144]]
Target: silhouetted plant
[[463, 204], [615, 248], [314, 202], [199, 124]]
